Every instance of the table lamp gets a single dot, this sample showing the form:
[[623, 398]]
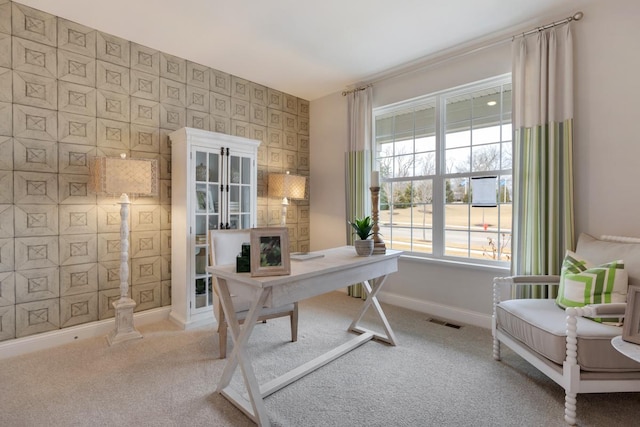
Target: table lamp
[[288, 187], [124, 177]]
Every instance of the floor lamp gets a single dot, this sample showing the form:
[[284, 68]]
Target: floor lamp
[[287, 187], [127, 177]]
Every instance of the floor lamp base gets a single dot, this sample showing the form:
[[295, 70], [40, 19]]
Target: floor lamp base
[[124, 330]]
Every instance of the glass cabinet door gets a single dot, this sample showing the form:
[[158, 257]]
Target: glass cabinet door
[[207, 217], [240, 170]]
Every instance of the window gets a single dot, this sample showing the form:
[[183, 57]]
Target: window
[[432, 152]]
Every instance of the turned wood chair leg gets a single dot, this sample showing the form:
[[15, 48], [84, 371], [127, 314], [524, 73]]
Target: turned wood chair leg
[[294, 323], [222, 334]]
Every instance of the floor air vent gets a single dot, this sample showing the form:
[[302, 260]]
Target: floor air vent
[[444, 323]]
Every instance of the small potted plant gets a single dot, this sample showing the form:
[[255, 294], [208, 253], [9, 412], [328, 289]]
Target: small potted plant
[[362, 227]]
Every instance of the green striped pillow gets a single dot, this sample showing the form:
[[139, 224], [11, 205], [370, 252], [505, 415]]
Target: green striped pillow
[[582, 284]]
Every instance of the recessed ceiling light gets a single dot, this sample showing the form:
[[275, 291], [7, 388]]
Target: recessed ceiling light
[[491, 103]]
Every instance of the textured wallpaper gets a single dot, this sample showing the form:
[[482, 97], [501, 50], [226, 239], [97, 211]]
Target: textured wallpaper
[[68, 93]]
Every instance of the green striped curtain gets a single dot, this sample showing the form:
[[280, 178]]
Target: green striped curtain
[[543, 218], [358, 161]]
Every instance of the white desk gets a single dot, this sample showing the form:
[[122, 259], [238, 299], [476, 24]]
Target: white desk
[[338, 268], [629, 349]]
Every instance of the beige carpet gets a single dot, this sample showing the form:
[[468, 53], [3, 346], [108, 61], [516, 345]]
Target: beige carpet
[[436, 376]]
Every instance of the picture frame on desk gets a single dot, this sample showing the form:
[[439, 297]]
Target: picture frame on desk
[[631, 326], [270, 251]]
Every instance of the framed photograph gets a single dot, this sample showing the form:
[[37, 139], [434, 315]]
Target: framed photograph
[[631, 326], [270, 252]]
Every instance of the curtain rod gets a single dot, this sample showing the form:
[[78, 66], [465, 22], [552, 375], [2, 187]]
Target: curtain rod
[[575, 17], [358, 89]]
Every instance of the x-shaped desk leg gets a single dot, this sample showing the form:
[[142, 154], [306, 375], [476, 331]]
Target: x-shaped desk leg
[[372, 300], [239, 356]]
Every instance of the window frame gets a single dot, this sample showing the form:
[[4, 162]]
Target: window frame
[[440, 176]]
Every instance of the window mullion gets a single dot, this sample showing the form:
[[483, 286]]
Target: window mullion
[[438, 183]]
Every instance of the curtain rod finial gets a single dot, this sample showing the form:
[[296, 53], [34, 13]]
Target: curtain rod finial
[[577, 16]]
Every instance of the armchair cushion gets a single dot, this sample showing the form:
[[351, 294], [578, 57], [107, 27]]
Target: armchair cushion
[[581, 283], [540, 324]]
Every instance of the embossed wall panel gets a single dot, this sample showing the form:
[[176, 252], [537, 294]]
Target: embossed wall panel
[[198, 75], [145, 59], [173, 92], [220, 105], [112, 77], [145, 85], [220, 82], [198, 99], [113, 134], [76, 38], [75, 68], [34, 90], [5, 17], [6, 153], [74, 189], [79, 279], [34, 58], [35, 188], [78, 249], [172, 67], [5, 49], [147, 296], [112, 49], [112, 105], [76, 129], [145, 217], [146, 270], [145, 138], [34, 155], [240, 88], [172, 117], [106, 299], [36, 285], [144, 244], [36, 252], [33, 24], [7, 253], [6, 85], [74, 159], [7, 289], [7, 323], [198, 120], [108, 218], [78, 309], [274, 99], [145, 112], [108, 246], [78, 219], [6, 221], [108, 275], [35, 123], [37, 317], [36, 220], [166, 292]]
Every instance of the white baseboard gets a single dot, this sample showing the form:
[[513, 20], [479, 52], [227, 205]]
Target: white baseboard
[[58, 337], [443, 312]]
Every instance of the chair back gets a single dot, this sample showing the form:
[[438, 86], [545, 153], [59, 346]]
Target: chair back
[[225, 245]]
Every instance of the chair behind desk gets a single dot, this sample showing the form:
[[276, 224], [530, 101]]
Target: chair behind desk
[[224, 246]]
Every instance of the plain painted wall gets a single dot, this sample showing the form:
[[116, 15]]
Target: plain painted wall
[[606, 149]]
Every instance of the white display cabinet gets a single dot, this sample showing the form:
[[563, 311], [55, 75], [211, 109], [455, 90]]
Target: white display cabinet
[[213, 186]]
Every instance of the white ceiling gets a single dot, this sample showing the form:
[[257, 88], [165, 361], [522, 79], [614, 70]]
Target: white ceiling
[[307, 48]]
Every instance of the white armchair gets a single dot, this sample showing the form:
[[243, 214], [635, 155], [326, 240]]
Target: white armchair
[[225, 245], [572, 350]]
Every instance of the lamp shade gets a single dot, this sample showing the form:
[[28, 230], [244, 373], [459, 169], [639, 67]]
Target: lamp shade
[[286, 185], [134, 177]]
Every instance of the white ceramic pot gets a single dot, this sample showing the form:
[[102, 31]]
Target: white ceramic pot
[[364, 247]]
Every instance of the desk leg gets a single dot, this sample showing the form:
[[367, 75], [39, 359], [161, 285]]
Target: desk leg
[[372, 300], [239, 356]]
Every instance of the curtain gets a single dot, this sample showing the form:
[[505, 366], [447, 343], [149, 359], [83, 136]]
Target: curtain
[[358, 163], [543, 217]]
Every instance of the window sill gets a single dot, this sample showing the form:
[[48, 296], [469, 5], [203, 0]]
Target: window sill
[[502, 269]]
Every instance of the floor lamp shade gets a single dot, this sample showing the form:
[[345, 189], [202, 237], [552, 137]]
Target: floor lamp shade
[[134, 177], [287, 187], [126, 177]]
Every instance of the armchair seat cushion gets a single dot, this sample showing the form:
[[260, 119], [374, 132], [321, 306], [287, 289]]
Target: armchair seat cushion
[[540, 324]]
